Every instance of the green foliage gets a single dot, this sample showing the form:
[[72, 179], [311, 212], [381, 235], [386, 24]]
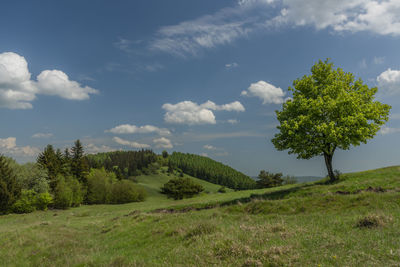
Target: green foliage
[[125, 191], [63, 194], [123, 163], [180, 188], [68, 193], [164, 154], [267, 179], [43, 200], [30, 201], [99, 186], [209, 170], [52, 161], [9, 188], [330, 110], [32, 176], [26, 202], [222, 189], [79, 165]]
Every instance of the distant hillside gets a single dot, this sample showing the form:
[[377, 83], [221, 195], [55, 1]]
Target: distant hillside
[[210, 170], [306, 179]]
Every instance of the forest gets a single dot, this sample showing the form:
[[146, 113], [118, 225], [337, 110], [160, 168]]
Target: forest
[[211, 171]]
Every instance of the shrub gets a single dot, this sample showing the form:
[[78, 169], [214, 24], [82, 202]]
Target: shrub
[[267, 179], [126, 191], [31, 176], [43, 200], [222, 189], [180, 188], [26, 202], [78, 192], [63, 194], [99, 186]]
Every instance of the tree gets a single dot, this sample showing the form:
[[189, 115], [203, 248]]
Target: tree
[[9, 188], [179, 188], [79, 166], [330, 110], [266, 179], [52, 161]]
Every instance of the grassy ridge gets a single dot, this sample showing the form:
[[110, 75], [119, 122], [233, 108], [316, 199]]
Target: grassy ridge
[[306, 225]]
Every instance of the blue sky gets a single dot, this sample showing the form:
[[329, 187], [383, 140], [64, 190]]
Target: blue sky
[[203, 77]]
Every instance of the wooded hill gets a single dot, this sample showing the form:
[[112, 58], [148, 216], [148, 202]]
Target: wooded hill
[[210, 170]]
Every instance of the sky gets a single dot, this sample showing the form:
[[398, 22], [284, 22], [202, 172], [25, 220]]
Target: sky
[[201, 77]]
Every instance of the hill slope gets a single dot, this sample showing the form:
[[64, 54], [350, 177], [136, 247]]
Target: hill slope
[[355, 221]]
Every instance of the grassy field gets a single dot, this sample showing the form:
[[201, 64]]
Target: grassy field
[[355, 221]]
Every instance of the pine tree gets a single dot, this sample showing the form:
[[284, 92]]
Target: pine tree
[[79, 166], [52, 162], [9, 188]]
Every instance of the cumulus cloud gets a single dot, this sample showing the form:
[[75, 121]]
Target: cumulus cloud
[[188, 112], [94, 149], [8, 146], [209, 147], [129, 143], [389, 81], [56, 82], [163, 143], [132, 129], [267, 92], [18, 90], [42, 135]]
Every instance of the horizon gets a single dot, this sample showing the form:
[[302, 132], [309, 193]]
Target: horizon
[[200, 77]]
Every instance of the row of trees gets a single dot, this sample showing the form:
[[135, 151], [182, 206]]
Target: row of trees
[[124, 164], [210, 170], [61, 180]]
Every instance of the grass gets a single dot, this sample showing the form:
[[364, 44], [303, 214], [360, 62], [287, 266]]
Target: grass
[[314, 224]]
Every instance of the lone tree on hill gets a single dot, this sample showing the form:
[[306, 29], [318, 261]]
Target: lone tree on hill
[[330, 110]]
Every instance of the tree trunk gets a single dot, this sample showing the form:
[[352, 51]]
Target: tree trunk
[[328, 162]]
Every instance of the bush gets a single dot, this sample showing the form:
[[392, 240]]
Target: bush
[[43, 200], [31, 176], [126, 191], [78, 192], [63, 194], [266, 179], [26, 203], [99, 186], [180, 188], [222, 189]]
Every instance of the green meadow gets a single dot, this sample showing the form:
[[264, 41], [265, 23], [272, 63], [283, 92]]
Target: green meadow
[[352, 222]]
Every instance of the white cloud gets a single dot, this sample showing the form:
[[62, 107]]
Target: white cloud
[[389, 81], [254, 16], [233, 121], [163, 143], [17, 90], [380, 17], [379, 60], [209, 147], [56, 82], [132, 129], [231, 65], [267, 92], [42, 135], [8, 146], [387, 130], [188, 112], [129, 143], [94, 149]]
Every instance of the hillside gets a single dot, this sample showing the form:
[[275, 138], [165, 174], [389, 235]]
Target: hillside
[[210, 170], [355, 221]]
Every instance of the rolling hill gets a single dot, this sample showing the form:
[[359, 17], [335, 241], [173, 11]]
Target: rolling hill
[[355, 221]]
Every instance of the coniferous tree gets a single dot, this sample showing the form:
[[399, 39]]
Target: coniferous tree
[[79, 166], [52, 162], [9, 188]]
